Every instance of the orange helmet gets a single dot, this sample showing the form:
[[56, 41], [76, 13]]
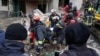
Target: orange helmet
[[36, 17]]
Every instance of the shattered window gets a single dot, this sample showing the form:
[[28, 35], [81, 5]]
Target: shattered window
[[4, 2]]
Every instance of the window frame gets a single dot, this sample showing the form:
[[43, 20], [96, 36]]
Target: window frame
[[4, 2]]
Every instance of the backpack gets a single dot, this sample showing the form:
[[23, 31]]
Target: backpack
[[72, 53]]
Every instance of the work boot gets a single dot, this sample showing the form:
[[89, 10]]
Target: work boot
[[38, 51]]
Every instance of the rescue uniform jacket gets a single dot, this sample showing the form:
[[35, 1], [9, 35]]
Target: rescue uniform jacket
[[39, 30]]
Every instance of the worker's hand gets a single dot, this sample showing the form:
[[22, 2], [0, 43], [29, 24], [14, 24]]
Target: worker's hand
[[51, 28]]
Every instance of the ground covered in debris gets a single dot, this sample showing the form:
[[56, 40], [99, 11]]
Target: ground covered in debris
[[49, 49]]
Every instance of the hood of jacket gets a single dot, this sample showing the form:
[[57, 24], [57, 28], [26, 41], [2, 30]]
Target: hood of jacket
[[12, 47]]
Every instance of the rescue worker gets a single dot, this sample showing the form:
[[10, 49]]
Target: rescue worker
[[31, 29], [40, 32], [89, 8], [48, 39], [76, 13], [59, 29], [13, 44], [76, 36], [67, 9], [70, 19], [86, 5], [54, 17], [89, 17], [30, 16]]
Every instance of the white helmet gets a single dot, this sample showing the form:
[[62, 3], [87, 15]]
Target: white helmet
[[53, 10]]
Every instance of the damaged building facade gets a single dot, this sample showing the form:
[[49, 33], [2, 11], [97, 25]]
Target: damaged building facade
[[16, 7]]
